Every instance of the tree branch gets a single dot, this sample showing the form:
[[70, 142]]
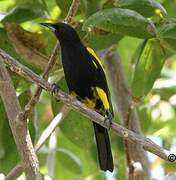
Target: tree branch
[[72, 11], [70, 101], [19, 129], [18, 169]]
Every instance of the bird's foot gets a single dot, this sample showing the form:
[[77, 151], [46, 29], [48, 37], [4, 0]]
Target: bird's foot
[[55, 88], [108, 122]]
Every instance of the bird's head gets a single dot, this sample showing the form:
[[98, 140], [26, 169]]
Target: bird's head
[[63, 32]]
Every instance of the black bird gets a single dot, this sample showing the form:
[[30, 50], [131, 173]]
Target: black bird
[[86, 80]]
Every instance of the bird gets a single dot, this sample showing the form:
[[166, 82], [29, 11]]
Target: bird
[[86, 80]]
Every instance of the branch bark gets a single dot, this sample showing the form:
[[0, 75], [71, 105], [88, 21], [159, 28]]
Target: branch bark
[[19, 128], [129, 118], [72, 11], [70, 101]]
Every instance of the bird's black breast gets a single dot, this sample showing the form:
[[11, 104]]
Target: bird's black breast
[[80, 72]]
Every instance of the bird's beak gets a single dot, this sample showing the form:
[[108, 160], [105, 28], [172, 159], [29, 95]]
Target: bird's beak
[[49, 25]]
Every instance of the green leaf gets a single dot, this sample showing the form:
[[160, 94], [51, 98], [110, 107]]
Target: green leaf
[[138, 52], [8, 152], [167, 34], [144, 113], [66, 165], [7, 46], [6, 5], [21, 14], [30, 46], [69, 161], [89, 167], [123, 21], [148, 68], [91, 6], [170, 7], [78, 129], [102, 41], [64, 6], [86, 7], [24, 98], [146, 8], [125, 48]]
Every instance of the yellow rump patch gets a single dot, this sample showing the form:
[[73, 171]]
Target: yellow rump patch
[[72, 93], [89, 103], [91, 51], [103, 98]]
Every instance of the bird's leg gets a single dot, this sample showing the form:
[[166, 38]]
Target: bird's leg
[[108, 121]]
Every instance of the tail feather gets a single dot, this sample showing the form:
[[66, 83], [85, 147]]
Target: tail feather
[[103, 147]]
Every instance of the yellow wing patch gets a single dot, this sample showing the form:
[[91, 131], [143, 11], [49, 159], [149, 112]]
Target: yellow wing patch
[[103, 98], [91, 51]]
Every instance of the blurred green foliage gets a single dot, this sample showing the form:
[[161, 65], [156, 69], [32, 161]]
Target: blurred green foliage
[[144, 34]]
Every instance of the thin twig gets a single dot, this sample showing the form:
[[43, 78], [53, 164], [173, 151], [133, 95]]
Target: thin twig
[[72, 11], [17, 170], [51, 155], [123, 132]]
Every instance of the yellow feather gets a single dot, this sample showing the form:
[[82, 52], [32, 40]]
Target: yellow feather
[[95, 65], [89, 103], [91, 51], [72, 93], [103, 98]]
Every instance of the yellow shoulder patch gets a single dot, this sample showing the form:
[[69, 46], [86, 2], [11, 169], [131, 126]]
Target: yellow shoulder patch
[[91, 51], [102, 95]]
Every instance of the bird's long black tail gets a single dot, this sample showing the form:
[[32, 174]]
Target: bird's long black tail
[[103, 147]]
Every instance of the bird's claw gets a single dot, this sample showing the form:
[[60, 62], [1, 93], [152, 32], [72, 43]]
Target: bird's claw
[[108, 122], [55, 88]]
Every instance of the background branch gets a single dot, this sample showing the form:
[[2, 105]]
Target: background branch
[[70, 101], [129, 117], [72, 11], [19, 128]]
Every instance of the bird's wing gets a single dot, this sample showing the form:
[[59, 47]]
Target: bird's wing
[[101, 82]]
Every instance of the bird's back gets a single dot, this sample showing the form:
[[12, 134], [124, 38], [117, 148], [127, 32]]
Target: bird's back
[[81, 73]]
